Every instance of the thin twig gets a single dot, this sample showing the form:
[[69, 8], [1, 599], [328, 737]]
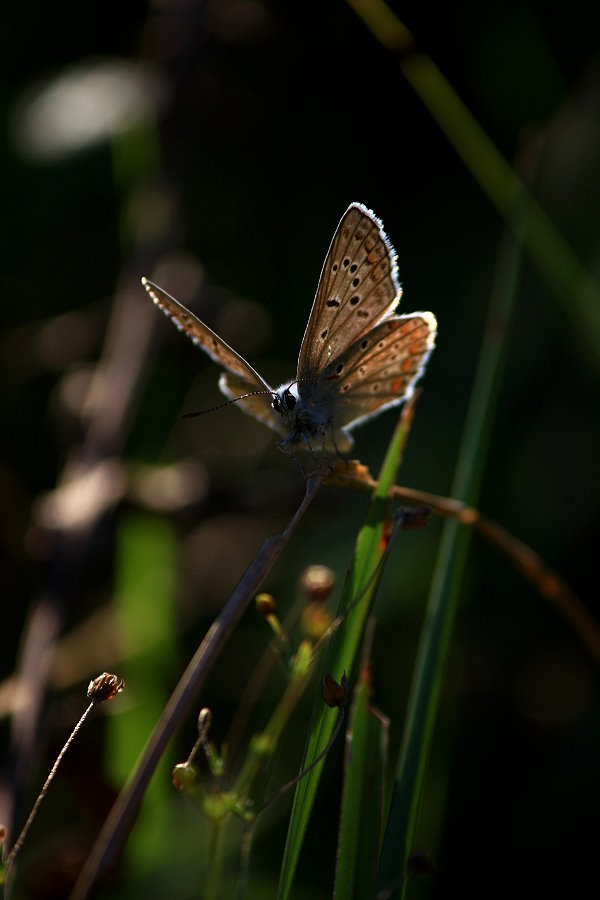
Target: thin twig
[[548, 582], [290, 784], [25, 830], [104, 687]]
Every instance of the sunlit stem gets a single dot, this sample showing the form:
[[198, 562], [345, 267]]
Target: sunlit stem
[[24, 832]]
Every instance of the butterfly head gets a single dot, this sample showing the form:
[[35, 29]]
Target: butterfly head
[[306, 412], [285, 401]]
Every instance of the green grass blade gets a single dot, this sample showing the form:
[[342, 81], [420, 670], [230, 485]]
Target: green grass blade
[[361, 816], [439, 619], [342, 650], [567, 277]]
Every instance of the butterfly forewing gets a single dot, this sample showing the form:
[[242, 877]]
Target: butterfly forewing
[[205, 338], [381, 368], [358, 286]]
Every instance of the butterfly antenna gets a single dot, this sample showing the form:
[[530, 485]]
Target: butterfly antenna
[[204, 412]]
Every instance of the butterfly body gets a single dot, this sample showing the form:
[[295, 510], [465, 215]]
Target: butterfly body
[[357, 357], [309, 410]]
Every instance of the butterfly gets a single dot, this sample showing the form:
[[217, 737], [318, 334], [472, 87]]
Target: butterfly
[[357, 356]]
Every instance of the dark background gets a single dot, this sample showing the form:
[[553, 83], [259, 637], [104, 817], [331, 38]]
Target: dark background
[[269, 119]]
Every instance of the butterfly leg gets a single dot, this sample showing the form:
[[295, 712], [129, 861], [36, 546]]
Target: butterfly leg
[[324, 439], [309, 447], [322, 462], [333, 441], [282, 445]]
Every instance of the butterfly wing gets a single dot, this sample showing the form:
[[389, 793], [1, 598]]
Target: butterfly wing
[[259, 406], [207, 340], [381, 368], [240, 378], [358, 286]]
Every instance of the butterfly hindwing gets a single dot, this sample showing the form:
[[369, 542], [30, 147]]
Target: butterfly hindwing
[[259, 406], [205, 338], [381, 368], [358, 286]]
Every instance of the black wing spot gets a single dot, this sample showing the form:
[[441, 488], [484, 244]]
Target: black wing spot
[[356, 282], [345, 387], [324, 333], [334, 267], [381, 345], [353, 268], [364, 344], [362, 313], [354, 300], [375, 387], [333, 302], [339, 368], [346, 263]]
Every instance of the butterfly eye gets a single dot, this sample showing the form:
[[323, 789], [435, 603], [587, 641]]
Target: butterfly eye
[[289, 399], [276, 404]]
